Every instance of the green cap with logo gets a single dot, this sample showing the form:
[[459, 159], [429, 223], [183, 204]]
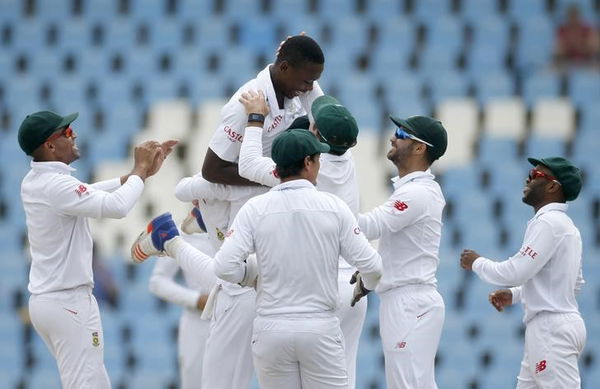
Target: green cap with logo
[[428, 129], [336, 124], [565, 172], [38, 126], [291, 146]]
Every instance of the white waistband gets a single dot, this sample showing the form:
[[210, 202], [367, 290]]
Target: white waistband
[[79, 290], [406, 289]]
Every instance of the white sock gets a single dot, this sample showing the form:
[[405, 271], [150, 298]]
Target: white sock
[[172, 246]]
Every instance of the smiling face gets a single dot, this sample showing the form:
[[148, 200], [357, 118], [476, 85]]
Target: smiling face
[[295, 80], [400, 150], [62, 145]]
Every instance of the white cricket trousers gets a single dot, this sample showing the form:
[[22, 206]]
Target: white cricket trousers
[[351, 321], [299, 353], [411, 318], [553, 343], [193, 332], [69, 323], [228, 355]]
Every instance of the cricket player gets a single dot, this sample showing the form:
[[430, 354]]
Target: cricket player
[[297, 341], [409, 226], [290, 87], [193, 331], [57, 207], [544, 275], [335, 126]]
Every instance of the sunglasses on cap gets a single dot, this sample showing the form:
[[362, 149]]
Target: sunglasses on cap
[[401, 133], [67, 132], [535, 173]]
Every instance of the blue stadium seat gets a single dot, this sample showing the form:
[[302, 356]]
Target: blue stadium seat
[[213, 34], [425, 10], [534, 47], [437, 59], [536, 145], [446, 32], [167, 35], [290, 9], [350, 32], [258, 35], [335, 9], [100, 10], [493, 149], [447, 85], [29, 35], [493, 85], [540, 85], [383, 9], [303, 22], [523, 11], [491, 30], [477, 9], [389, 61], [483, 59], [584, 86], [397, 35], [74, 35]]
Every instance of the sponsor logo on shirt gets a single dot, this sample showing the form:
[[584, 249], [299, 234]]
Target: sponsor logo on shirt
[[229, 233], [528, 251], [540, 366], [276, 122], [233, 135], [400, 345], [81, 190], [400, 205], [220, 234], [357, 230], [95, 339]]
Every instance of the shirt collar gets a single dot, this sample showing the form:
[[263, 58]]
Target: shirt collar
[[294, 184], [399, 181], [560, 207], [332, 157], [52, 166], [264, 78]]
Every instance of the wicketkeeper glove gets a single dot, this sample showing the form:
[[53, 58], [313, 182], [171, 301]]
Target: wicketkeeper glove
[[359, 288]]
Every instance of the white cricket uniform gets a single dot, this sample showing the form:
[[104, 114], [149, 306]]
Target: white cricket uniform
[[337, 175], [62, 308], [193, 331], [546, 274], [228, 357], [297, 341], [411, 312]]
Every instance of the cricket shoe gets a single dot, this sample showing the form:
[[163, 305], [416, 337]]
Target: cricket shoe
[[152, 240], [193, 223]]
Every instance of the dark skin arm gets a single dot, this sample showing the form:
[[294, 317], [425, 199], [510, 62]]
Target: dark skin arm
[[219, 171]]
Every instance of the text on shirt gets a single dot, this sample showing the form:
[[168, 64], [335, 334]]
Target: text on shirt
[[233, 135], [526, 250]]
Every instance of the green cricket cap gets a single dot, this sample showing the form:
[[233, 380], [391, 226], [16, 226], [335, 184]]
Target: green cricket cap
[[335, 123], [565, 172], [292, 145], [428, 129], [38, 126]]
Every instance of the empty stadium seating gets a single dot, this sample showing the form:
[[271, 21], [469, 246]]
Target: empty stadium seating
[[137, 69]]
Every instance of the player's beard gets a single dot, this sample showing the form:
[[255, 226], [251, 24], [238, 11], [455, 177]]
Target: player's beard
[[533, 194]]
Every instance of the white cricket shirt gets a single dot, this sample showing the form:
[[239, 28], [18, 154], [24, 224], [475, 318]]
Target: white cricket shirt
[[162, 281], [227, 139], [57, 206], [298, 234], [409, 228], [547, 268]]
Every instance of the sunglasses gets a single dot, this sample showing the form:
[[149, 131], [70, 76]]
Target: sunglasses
[[67, 132], [535, 173], [402, 134]]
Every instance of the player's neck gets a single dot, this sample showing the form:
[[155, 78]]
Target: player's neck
[[278, 93]]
